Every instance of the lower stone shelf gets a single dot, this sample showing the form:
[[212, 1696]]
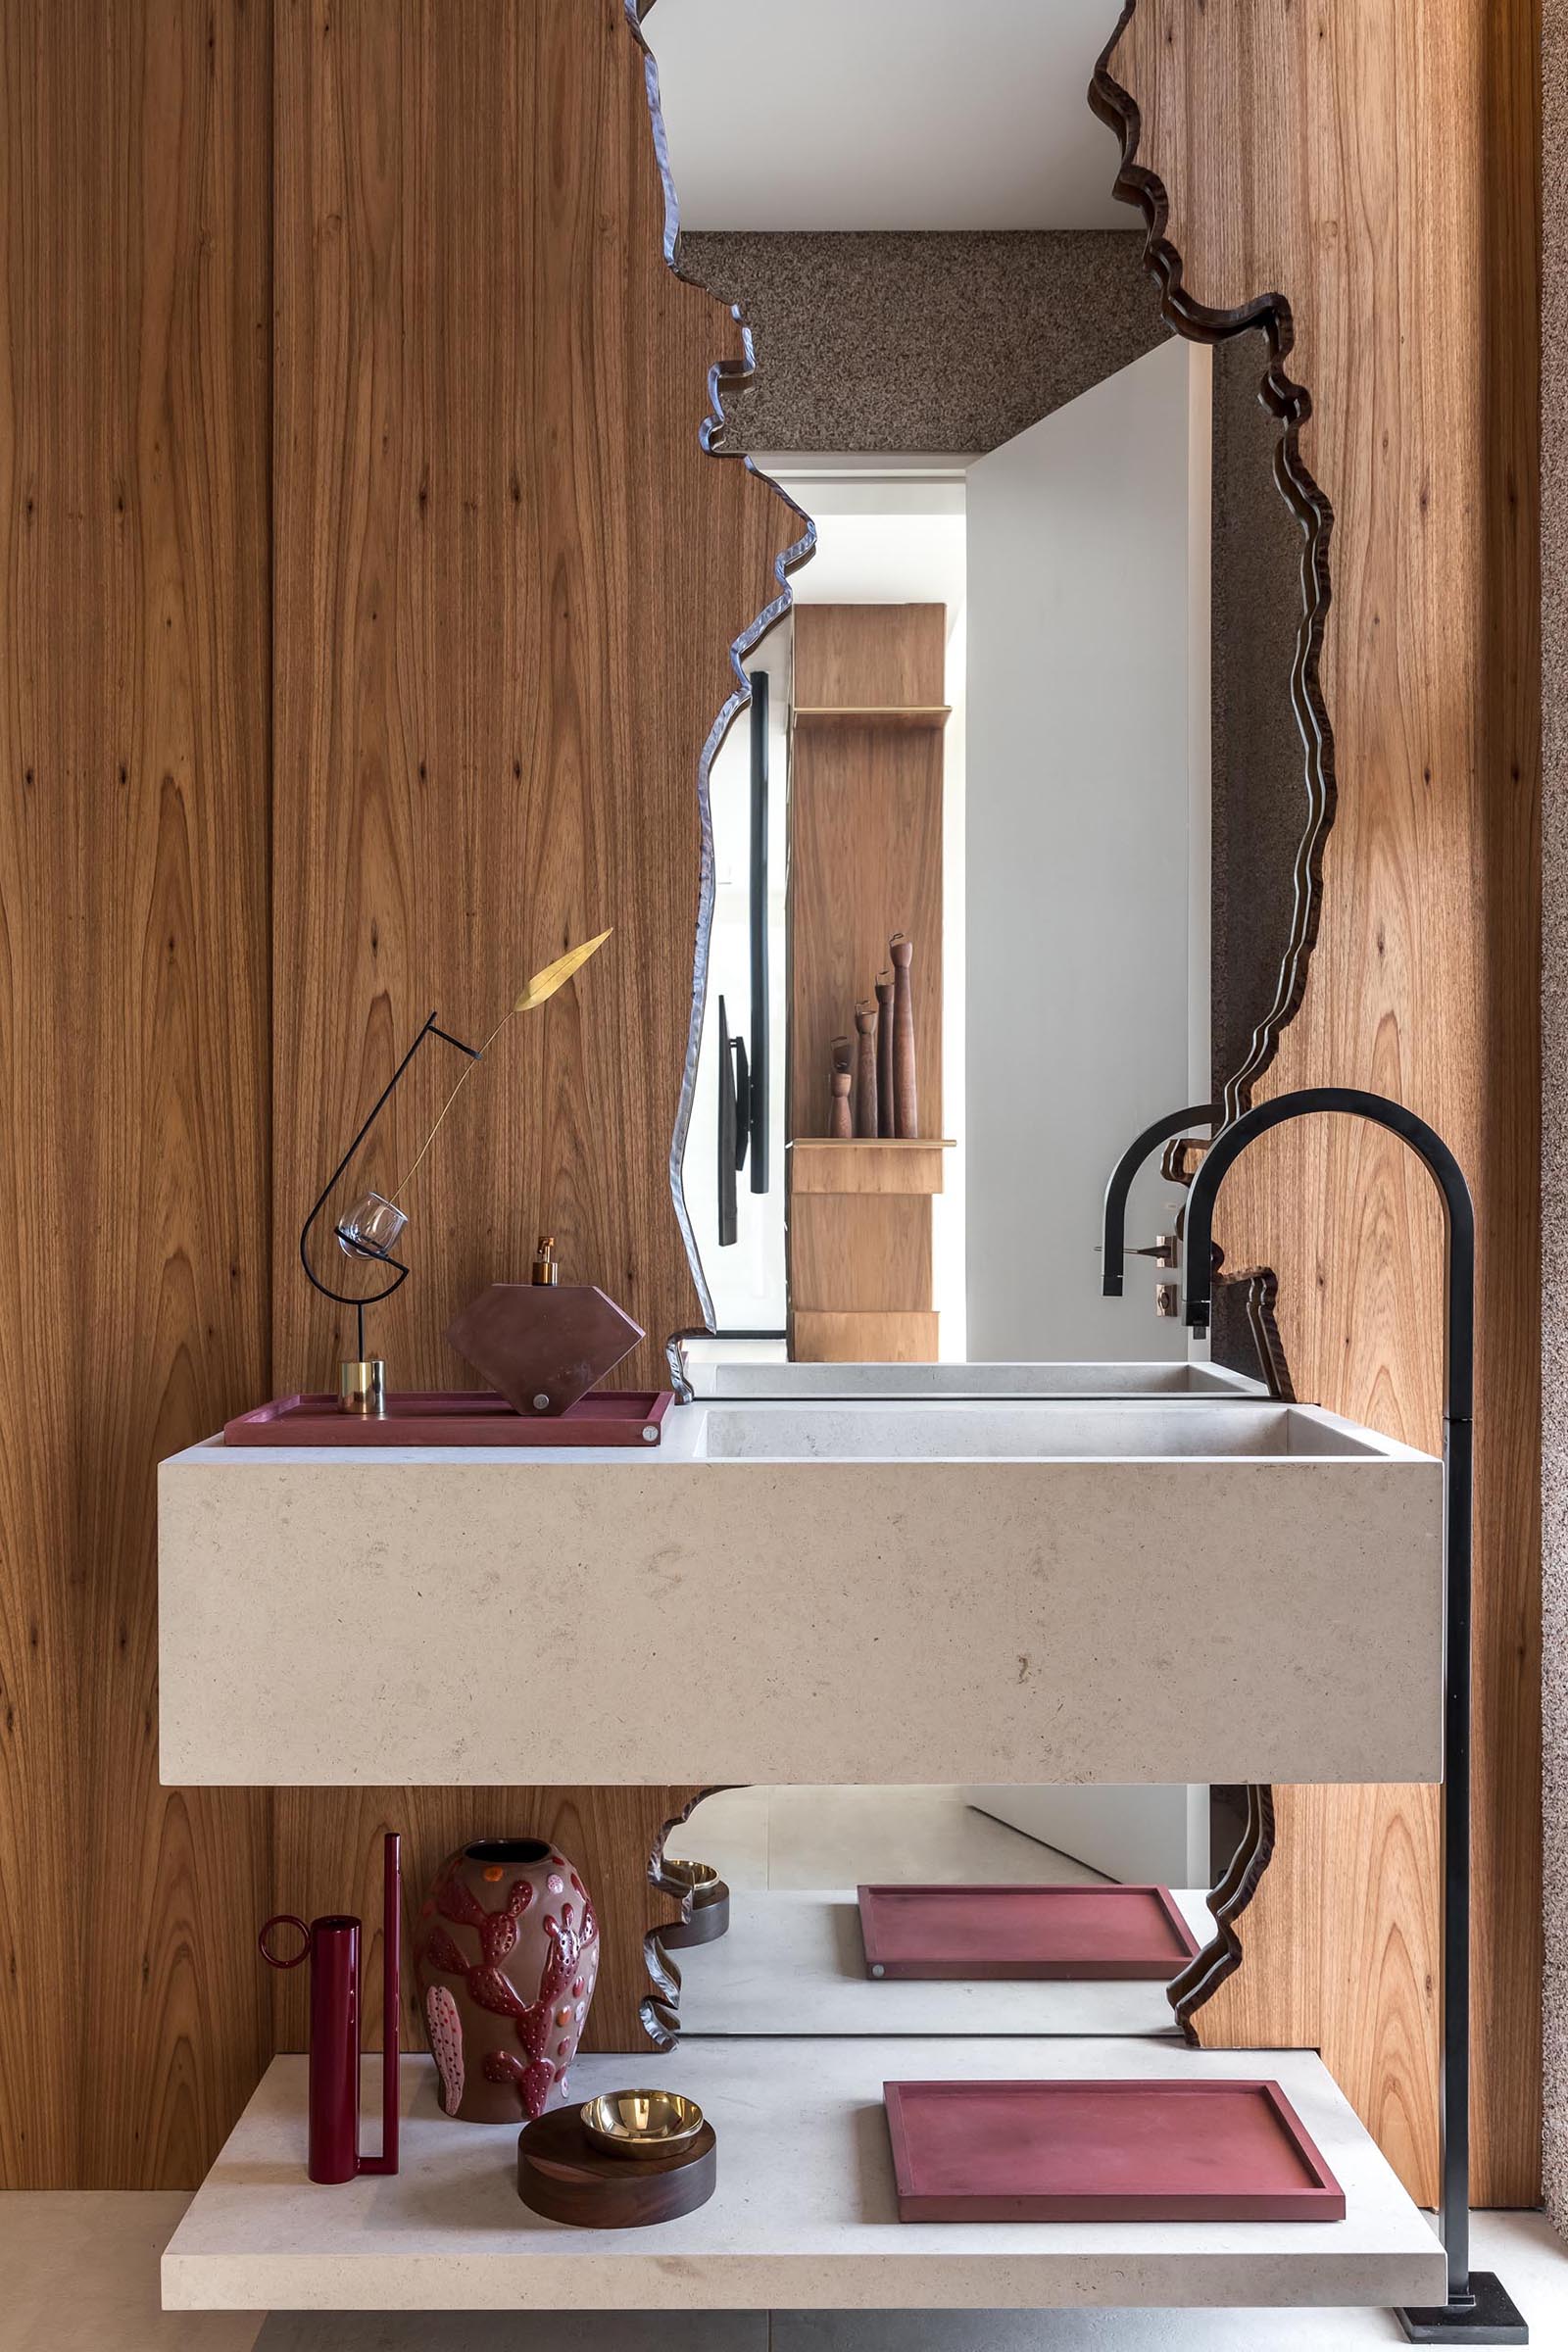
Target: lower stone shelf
[[794, 1962], [804, 2217]]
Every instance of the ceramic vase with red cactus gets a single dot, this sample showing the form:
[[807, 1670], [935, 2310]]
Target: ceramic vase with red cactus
[[506, 1951]]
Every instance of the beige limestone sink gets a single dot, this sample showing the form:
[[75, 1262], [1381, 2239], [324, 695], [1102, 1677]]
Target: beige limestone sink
[[709, 1378], [1045, 1589]]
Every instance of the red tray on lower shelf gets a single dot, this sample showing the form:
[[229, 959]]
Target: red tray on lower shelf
[[1069, 1934], [1105, 2151], [457, 1417]]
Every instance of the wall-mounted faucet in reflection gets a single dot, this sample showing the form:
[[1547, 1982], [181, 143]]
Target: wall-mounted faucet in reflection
[[1113, 1228]]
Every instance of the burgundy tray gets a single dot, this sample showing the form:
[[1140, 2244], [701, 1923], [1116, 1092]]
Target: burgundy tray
[[455, 1417], [1077, 1934], [1105, 2151]]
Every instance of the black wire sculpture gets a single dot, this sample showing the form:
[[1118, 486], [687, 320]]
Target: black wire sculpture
[[352, 1244], [356, 1234]]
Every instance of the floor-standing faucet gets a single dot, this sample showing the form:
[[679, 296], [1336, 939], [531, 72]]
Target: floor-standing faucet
[[1478, 2311]]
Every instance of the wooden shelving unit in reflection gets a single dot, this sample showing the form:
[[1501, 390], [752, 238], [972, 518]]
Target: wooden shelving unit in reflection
[[866, 860]]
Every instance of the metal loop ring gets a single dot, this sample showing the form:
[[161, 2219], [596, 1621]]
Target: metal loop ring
[[284, 1919]]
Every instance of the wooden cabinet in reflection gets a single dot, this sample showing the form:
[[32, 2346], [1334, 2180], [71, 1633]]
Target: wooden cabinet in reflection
[[866, 862]]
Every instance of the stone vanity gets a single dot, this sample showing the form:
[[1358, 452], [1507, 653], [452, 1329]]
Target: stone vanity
[[1048, 1588]]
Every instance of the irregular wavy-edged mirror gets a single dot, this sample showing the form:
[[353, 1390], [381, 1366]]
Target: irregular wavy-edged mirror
[[1031, 709]]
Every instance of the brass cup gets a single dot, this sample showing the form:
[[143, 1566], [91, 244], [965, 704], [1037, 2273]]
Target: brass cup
[[642, 2122], [361, 1388]]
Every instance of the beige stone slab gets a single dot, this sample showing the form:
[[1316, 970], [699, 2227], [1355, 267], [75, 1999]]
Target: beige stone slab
[[795, 1963], [804, 2215], [353, 1619], [1520, 2247]]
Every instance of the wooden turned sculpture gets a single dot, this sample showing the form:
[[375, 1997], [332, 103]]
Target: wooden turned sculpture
[[906, 1103], [865, 1067], [840, 1125], [884, 1054]]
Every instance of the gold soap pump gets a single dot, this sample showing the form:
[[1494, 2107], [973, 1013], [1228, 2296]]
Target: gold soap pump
[[546, 1268]]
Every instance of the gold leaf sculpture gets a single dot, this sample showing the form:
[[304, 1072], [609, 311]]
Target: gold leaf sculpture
[[554, 975], [538, 990]]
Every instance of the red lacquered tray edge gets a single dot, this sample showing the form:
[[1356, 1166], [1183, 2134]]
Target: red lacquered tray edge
[[1323, 2202], [964, 1969], [410, 1420]]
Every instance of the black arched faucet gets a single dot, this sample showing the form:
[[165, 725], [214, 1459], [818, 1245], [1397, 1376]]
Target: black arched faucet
[[1113, 1230], [1478, 2310]]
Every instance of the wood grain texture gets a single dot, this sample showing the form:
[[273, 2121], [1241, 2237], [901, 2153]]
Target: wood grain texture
[[915, 719], [511, 576], [134, 608], [888, 1166], [865, 839], [860, 1251], [1377, 168], [328, 1858], [886, 1337], [870, 657], [508, 578], [563, 2174]]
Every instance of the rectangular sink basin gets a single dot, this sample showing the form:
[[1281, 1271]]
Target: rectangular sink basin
[[1043, 1590], [781, 1380], [1044, 1429]]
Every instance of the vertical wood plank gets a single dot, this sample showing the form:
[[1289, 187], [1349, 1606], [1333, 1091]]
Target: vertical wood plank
[[329, 1846], [508, 579], [866, 838], [135, 954], [1377, 168]]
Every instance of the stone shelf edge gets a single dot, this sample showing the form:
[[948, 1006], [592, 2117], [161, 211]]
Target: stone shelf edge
[[803, 2216]]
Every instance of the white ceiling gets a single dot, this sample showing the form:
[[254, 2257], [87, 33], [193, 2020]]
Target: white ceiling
[[886, 114]]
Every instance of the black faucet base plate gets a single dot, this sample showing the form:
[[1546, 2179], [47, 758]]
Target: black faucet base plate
[[1492, 2318]]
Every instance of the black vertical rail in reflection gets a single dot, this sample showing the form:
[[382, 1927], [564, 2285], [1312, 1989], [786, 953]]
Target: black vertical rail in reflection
[[760, 1041]]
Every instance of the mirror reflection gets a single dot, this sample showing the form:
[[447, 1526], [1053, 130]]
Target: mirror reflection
[[1003, 855], [1004, 846], [947, 1910]]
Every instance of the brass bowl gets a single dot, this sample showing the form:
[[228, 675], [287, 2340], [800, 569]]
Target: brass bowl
[[702, 1878], [642, 2122]]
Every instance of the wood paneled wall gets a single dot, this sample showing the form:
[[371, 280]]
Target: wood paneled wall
[[508, 579], [135, 269], [365, 610], [1377, 168]]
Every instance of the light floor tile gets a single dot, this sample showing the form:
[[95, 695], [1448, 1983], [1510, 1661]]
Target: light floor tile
[[1522, 2248], [80, 2275]]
